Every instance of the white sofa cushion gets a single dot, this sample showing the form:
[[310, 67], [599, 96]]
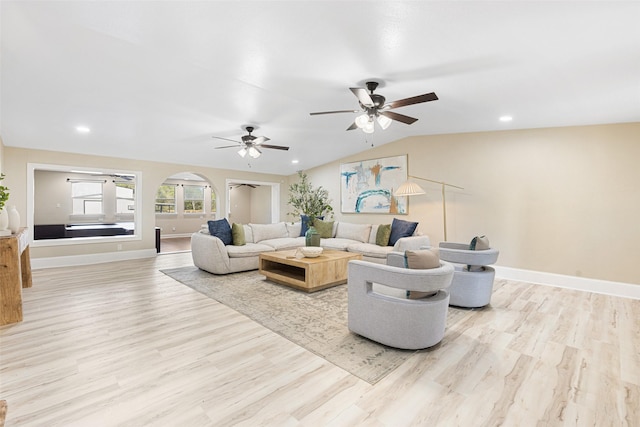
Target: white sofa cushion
[[248, 250], [358, 232], [370, 250], [336, 243], [268, 231], [284, 243]]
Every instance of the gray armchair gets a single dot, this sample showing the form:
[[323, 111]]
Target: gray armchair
[[397, 321], [472, 283]]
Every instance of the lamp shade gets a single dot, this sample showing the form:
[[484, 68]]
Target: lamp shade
[[384, 121], [408, 188], [254, 152], [368, 128], [362, 120]]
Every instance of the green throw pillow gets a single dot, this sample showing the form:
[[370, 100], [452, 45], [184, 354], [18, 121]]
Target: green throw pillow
[[324, 228], [383, 234], [237, 233]]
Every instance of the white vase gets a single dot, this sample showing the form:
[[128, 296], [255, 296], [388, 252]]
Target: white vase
[[14, 219], [4, 220]]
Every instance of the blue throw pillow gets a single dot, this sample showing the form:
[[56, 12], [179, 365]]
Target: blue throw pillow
[[304, 221], [222, 230], [401, 228]]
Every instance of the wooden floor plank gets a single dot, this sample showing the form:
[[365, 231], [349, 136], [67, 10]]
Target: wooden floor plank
[[123, 344]]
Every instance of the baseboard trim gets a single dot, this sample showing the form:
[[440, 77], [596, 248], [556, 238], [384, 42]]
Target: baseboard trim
[[74, 260], [175, 236], [618, 289]]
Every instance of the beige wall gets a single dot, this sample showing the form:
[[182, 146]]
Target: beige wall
[[559, 200], [253, 205], [240, 201], [261, 204], [153, 175], [1, 156]]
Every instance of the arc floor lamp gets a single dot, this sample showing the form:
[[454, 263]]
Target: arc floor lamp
[[410, 188]]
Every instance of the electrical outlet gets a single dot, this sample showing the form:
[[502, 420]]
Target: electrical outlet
[[173, 229], [119, 246]]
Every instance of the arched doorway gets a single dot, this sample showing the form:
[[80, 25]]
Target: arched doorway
[[184, 202]]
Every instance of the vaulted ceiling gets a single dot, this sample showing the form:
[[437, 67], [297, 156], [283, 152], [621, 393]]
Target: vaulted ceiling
[[155, 80]]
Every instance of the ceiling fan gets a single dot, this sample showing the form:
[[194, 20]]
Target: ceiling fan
[[375, 109], [250, 144]]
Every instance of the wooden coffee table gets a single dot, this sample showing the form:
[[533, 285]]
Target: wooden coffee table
[[307, 274]]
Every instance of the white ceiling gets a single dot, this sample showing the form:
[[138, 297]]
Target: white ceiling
[[155, 80]]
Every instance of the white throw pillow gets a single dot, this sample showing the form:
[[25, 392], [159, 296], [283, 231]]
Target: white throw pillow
[[268, 231], [373, 234], [358, 232], [294, 229], [248, 233]]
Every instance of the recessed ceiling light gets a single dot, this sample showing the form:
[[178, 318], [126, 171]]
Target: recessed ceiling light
[[83, 129], [294, 161], [506, 118]]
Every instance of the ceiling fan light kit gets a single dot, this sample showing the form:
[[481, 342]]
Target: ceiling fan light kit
[[375, 108]]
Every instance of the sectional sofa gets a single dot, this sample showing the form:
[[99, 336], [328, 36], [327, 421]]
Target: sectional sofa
[[211, 254]]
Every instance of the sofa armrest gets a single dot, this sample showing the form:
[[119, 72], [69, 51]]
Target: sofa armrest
[[209, 253], [412, 243]]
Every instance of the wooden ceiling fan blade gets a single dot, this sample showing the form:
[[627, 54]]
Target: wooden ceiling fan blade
[[413, 100], [333, 112], [362, 95], [260, 139], [228, 146], [353, 126], [398, 117], [277, 147], [226, 139]]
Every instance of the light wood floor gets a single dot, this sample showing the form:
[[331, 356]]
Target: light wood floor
[[123, 344], [175, 244]]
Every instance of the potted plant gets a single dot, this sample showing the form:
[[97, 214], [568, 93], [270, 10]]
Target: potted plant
[[4, 217], [309, 201]]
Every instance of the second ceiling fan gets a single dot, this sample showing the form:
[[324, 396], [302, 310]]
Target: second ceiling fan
[[375, 108], [250, 144]]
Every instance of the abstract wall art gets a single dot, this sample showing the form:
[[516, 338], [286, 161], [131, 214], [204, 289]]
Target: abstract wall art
[[367, 186]]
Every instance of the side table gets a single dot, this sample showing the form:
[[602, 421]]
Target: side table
[[15, 274]]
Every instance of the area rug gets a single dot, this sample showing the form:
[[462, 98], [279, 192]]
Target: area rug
[[316, 321]]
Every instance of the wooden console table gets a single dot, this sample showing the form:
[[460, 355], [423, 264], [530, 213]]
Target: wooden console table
[[15, 274]]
